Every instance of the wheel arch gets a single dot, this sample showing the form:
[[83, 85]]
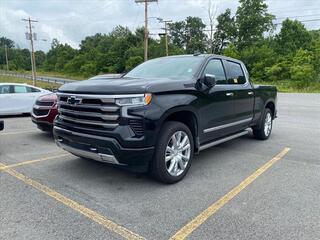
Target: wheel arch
[[186, 116], [271, 105]]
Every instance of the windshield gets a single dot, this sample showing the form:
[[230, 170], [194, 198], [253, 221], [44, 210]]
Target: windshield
[[167, 67]]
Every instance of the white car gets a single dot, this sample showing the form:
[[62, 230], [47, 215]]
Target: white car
[[18, 98]]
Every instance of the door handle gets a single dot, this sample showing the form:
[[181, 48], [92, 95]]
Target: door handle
[[250, 93], [229, 94]]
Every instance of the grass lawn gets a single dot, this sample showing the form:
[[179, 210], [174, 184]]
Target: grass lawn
[[293, 87], [45, 85], [56, 74]]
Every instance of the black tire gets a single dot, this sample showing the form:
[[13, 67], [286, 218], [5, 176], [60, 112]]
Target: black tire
[[158, 168], [259, 132]]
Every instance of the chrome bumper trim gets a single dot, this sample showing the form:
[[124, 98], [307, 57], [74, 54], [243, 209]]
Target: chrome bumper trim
[[91, 155]]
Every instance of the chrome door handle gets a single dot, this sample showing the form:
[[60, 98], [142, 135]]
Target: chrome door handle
[[229, 94], [250, 93]]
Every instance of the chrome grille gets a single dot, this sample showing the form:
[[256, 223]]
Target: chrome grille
[[91, 111]]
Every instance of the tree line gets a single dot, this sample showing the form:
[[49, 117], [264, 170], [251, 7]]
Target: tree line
[[292, 53]]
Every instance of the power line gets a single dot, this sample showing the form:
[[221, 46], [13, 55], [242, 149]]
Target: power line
[[309, 20], [311, 15]]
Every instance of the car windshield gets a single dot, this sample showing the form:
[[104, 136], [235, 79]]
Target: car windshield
[[168, 67]]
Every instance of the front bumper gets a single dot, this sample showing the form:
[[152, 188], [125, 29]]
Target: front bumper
[[103, 149], [45, 123]]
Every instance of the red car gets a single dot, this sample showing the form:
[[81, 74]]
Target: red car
[[44, 111]]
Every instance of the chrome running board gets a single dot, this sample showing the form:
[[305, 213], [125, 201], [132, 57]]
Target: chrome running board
[[214, 143]]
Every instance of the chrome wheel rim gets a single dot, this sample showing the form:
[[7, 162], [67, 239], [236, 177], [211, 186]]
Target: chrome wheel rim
[[268, 124], [178, 153]]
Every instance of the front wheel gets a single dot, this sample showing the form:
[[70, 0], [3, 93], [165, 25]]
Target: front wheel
[[173, 154], [264, 131]]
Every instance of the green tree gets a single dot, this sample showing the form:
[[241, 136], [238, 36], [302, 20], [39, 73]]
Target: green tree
[[6, 41], [189, 35], [225, 31], [252, 21], [293, 35], [133, 62], [302, 68]]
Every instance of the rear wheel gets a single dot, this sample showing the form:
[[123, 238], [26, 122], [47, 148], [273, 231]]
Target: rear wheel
[[265, 129], [173, 154]]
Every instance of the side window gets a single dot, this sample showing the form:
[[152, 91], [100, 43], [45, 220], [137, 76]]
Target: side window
[[235, 73], [214, 67], [20, 89], [5, 89], [31, 89]]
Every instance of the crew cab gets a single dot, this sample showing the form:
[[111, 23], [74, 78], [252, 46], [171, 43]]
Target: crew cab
[[161, 113]]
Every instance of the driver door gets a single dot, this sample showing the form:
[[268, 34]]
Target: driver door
[[217, 104]]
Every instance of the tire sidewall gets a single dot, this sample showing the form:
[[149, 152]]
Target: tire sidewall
[[166, 133], [266, 111]]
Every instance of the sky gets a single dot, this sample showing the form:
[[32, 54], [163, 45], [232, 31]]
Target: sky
[[70, 21]]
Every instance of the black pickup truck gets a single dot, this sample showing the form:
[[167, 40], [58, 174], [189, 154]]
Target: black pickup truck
[[157, 116]]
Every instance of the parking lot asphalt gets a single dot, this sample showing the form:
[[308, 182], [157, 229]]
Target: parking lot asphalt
[[60, 196]]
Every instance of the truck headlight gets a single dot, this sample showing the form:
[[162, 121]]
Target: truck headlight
[[135, 101]]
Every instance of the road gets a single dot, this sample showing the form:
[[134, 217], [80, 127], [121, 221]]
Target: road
[[64, 197]]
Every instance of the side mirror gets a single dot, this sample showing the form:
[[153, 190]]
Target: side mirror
[[209, 80]]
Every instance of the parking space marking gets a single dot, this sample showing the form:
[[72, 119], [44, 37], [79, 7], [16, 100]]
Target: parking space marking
[[94, 216], [186, 230], [33, 161], [17, 132]]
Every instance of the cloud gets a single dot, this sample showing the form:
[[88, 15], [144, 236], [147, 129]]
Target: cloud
[[71, 21]]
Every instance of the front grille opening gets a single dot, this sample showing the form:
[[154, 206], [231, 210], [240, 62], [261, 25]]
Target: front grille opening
[[91, 112], [48, 104], [40, 112], [84, 109], [88, 126], [87, 118]]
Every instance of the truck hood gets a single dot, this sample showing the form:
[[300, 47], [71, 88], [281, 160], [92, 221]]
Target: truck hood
[[126, 85]]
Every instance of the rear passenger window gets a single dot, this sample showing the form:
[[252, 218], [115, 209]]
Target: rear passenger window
[[214, 67], [20, 89], [235, 73], [30, 89], [5, 89]]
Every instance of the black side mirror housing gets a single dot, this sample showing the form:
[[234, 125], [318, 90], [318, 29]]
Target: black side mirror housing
[[209, 80]]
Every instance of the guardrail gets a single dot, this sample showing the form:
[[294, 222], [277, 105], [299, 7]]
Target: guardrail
[[39, 78]]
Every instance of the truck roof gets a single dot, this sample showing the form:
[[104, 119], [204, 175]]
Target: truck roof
[[206, 55]]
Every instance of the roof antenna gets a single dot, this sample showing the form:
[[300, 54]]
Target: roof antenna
[[197, 53]]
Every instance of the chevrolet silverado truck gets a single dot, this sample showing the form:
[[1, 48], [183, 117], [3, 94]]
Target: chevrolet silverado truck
[[161, 113]]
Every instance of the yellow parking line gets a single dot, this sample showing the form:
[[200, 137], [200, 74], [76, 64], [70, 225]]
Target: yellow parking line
[[203, 216], [33, 161], [96, 217], [17, 132]]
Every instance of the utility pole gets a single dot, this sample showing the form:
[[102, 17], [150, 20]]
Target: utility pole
[[165, 32], [146, 33], [6, 51], [33, 61]]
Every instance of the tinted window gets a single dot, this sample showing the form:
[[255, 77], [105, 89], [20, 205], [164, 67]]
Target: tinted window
[[235, 73], [214, 67], [168, 67], [30, 89], [5, 89], [20, 89]]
